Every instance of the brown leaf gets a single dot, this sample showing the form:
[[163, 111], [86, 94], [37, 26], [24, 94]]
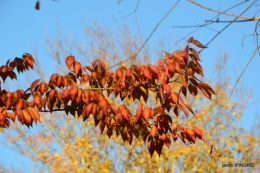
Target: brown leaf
[[37, 5], [190, 40], [151, 147], [195, 53], [198, 44], [69, 61]]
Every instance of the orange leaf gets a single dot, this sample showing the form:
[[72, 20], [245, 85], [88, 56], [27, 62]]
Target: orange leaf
[[27, 119], [37, 100], [34, 83], [166, 88], [77, 67], [198, 132], [119, 73], [69, 61], [153, 131], [190, 135], [34, 113], [139, 111], [147, 113]]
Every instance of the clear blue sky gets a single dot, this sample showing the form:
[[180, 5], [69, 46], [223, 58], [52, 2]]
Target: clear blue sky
[[23, 27]]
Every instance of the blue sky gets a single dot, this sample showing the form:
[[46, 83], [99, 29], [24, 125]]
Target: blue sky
[[24, 28]]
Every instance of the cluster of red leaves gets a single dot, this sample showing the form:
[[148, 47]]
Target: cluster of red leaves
[[63, 93]]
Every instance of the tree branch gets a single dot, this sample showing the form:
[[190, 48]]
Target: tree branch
[[148, 36], [225, 13]]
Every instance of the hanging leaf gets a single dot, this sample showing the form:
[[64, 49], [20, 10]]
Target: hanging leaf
[[198, 44], [69, 61]]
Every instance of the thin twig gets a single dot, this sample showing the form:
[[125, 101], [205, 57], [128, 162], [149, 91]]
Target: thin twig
[[209, 23], [233, 89], [225, 13], [228, 25], [228, 21], [148, 36], [132, 11]]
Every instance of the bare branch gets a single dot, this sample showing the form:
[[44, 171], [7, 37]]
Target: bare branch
[[209, 23], [225, 13], [148, 36], [228, 21], [229, 24], [132, 11]]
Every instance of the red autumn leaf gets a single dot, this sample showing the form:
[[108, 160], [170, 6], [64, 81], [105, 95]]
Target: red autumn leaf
[[53, 78], [147, 73], [198, 132], [73, 92], [128, 72], [51, 94], [19, 105], [189, 108], [88, 109], [139, 111], [69, 61], [184, 110], [2, 119], [178, 56], [147, 113], [34, 113], [153, 130], [167, 88], [151, 148], [34, 83], [190, 135], [94, 110], [167, 141], [27, 119], [184, 80], [37, 100], [77, 67], [85, 78], [43, 87], [119, 73], [4, 69], [8, 102], [193, 89], [94, 63], [190, 40], [12, 116], [153, 68]]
